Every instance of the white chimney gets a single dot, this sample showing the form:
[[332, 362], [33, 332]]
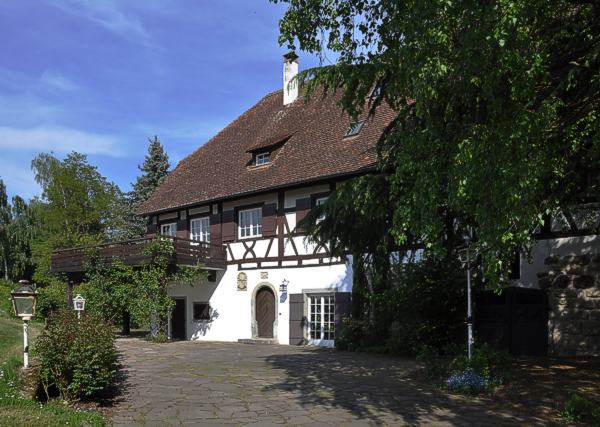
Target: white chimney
[[290, 85]]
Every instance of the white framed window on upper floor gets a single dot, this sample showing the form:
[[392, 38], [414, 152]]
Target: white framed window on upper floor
[[262, 158], [200, 229], [250, 223], [318, 202], [169, 229]]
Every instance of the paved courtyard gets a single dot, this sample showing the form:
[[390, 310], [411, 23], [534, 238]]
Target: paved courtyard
[[195, 383]]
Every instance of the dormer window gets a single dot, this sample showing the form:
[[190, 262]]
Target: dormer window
[[376, 92], [354, 128], [262, 158]]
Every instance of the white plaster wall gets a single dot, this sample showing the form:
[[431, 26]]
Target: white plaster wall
[[266, 198], [300, 193], [232, 309], [553, 247]]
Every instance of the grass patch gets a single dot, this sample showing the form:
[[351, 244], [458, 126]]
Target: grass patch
[[26, 413], [16, 411]]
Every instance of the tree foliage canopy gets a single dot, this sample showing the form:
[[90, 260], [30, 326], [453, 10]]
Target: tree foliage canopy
[[17, 230], [498, 120], [78, 206], [154, 171]]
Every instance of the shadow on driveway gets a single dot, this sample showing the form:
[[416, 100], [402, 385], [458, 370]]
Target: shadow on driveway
[[382, 390]]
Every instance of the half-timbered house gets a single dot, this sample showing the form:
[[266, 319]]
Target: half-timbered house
[[234, 205]]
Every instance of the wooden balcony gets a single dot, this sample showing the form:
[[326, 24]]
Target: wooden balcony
[[132, 252]]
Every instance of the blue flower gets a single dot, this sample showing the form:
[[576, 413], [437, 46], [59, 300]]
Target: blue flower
[[468, 380]]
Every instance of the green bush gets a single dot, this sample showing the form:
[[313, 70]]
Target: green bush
[[51, 299], [436, 366], [78, 357], [581, 409], [485, 361], [352, 334], [158, 338], [420, 304]]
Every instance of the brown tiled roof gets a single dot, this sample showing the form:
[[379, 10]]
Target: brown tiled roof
[[316, 150]]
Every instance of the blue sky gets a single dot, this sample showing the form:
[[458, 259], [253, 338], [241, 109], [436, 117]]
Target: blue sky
[[101, 76]]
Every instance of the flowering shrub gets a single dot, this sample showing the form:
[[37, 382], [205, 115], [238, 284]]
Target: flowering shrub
[[78, 357], [482, 372], [468, 381]]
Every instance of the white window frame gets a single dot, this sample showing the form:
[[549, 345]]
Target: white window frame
[[262, 158], [318, 202], [201, 232], [172, 229], [321, 319], [252, 230]]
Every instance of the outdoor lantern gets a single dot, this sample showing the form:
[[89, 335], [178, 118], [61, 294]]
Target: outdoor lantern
[[24, 298], [283, 289], [79, 304], [283, 286]]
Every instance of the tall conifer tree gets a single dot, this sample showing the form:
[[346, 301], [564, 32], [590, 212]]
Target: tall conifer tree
[[154, 171]]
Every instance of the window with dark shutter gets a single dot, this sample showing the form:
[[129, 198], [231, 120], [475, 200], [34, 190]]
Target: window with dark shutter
[[228, 219], [215, 229], [302, 209], [269, 213]]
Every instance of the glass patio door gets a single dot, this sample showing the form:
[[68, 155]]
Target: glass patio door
[[321, 312]]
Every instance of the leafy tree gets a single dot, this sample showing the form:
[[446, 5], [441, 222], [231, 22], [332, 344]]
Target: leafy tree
[[143, 292], [76, 206], [498, 120], [154, 171], [17, 230], [4, 233]]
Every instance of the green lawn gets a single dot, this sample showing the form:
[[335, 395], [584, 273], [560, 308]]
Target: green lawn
[[15, 411]]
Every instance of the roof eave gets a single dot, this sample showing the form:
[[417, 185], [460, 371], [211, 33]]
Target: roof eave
[[362, 171]]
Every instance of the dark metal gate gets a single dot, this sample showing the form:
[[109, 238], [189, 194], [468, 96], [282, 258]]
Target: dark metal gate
[[515, 321]]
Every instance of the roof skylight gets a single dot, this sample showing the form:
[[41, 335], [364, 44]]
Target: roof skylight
[[354, 128]]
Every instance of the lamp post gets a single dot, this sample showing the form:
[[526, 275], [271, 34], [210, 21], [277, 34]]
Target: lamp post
[[79, 305], [23, 299], [466, 259]]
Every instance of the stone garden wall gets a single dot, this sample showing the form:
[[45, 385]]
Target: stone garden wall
[[573, 286]]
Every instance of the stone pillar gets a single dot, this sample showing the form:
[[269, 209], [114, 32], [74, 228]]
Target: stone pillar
[[573, 284]]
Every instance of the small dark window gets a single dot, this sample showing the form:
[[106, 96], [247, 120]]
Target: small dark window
[[354, 128], [212, 276], [515, 267], [262, 158], [201, 311]]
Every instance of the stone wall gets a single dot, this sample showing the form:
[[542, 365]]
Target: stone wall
[[573, 286]]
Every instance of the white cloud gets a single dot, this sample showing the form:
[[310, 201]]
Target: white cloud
[[59, 140], [57, 81], [107, 14], [19, 178]]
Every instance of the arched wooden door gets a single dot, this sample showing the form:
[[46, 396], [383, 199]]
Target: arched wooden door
[[265, 312]]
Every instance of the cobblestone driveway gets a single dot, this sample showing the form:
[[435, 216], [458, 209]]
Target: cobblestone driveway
[[195, 383]]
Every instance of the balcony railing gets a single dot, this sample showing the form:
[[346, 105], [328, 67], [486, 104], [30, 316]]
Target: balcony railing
[[133, 252]]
